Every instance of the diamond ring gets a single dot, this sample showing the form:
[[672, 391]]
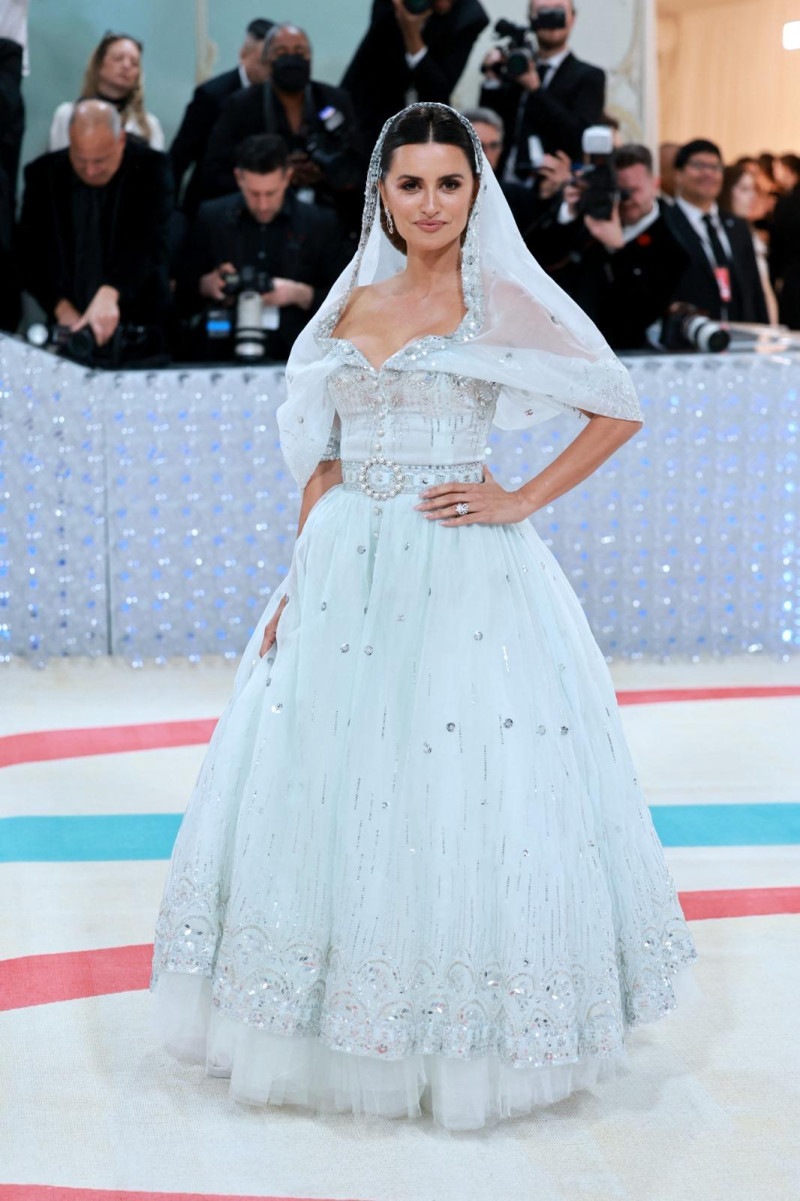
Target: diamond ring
[[462, 508]]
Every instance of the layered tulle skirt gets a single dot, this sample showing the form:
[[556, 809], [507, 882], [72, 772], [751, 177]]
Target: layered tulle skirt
[[417, 870]]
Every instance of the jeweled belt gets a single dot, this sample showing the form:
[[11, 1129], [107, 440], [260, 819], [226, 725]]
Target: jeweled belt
[[382, 478]]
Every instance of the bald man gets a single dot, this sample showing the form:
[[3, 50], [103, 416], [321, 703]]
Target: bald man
[[93, 230]]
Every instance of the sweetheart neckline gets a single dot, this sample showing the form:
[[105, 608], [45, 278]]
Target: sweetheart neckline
[[414, 342]]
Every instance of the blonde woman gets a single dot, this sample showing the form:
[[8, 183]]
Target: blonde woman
[[113, 74]]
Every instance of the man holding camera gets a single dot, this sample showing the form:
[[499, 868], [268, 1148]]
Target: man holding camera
[[721, 277], [413, 50], [208, 101], [264, 239], [315, 120], [619, 259], [546, 96], [93, 231]]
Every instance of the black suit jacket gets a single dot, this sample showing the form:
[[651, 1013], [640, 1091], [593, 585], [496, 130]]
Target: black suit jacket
[[245, 114], [558, 114], [379, 76], [307, 247], [135, 233], [189, 144], [784, 257], [698, 284], [623, 292]]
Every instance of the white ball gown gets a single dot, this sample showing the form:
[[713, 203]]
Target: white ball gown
[[417, 871]]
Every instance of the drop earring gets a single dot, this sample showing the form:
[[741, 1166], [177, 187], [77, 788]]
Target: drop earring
[[389, 222]]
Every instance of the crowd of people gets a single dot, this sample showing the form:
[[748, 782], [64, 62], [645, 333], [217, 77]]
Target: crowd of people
[[225, 243]]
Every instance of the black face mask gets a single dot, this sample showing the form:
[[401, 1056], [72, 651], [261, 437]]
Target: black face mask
[[291, 72]]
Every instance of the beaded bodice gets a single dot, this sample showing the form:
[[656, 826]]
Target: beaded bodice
[[408, 414]]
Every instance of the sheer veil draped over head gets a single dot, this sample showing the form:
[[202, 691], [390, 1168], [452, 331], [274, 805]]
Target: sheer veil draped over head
[[520, 328]]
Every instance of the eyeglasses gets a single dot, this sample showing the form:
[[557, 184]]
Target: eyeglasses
[[705, 165]]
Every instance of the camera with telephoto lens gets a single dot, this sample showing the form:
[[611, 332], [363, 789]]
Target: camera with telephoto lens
[[328, 145], [128, 344], [685, 327], [246, 325], [596, 179]]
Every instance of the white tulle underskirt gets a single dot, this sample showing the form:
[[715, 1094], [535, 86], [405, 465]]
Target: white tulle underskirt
[[274, 1069]]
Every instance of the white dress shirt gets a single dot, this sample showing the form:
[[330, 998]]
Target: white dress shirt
[[695, 216]]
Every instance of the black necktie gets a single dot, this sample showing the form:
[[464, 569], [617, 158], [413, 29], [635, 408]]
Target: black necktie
[[717, 249], [543, 70]]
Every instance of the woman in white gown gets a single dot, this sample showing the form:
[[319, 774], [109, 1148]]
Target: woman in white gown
[[417, 870]]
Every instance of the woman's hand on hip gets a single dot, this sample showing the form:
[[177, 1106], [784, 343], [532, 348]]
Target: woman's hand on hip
[[487, 503]]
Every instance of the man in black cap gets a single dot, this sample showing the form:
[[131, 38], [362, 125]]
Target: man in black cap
[[207, 103], [406, 56]]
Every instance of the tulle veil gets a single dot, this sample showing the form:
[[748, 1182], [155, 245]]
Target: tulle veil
[[520, 328]]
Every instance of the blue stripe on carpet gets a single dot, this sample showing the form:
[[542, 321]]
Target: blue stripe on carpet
[[151, 835]]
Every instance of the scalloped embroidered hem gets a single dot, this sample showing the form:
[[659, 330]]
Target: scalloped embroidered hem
[[265, 1068]]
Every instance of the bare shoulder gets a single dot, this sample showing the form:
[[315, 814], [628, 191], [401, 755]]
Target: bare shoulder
[[362, 300]]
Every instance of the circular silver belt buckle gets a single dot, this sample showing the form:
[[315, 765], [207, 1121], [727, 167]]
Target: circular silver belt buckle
[[383, 465]]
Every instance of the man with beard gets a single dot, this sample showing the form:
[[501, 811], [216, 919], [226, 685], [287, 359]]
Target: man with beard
[[406, 56]]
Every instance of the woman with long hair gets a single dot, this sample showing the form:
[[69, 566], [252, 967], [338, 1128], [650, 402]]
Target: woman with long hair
[[740, 196], [418, 870], [113, 74]]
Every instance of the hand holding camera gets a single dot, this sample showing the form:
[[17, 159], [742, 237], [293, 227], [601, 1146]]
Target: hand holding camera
[[102, 315], [213, 285], [305, 172], [288, 291]]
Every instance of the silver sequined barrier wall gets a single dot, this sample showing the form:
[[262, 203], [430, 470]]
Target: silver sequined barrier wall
[[151, 514]]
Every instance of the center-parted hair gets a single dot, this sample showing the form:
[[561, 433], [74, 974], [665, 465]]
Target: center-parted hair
[[424, 123]]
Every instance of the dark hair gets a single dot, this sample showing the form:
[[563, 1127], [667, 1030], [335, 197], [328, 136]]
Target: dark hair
[[698, 146], [259, 28], [262, 153], [729, 181], [766, 161], [633, 155], [424, 124], [792, 163]]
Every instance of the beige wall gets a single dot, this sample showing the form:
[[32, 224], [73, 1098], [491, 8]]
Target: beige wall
[[723, 74]]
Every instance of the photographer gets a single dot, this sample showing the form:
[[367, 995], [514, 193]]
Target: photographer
[[315, 120], [93, 233], [419, 46], [620, 261], [264, 240], [535, 208], [546, 97], [207, 103]]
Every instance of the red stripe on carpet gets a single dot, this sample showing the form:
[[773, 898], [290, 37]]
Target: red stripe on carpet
[[48, 1192], [102, 740], [659, 696], [739, 902], [40, 745], [74, 975], [42, 979]]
